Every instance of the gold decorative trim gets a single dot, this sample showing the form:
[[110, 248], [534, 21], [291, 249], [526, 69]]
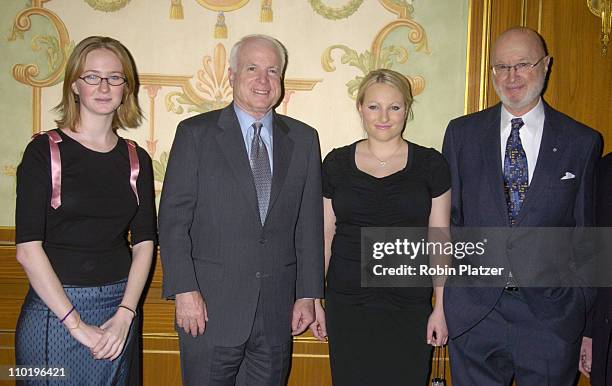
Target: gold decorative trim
[[177, 352], [467, 56], [25, 73], [540, 16], [484, 61], [176, 10], [335, 13], [222, 5], [301, 84], [379, 56], [160, 335], [173, 352], [220, 27], [172, 81], [312, 356], [152, 94], [416, 36], [402, 9], [266, 15], [603, 10], [107, 5]]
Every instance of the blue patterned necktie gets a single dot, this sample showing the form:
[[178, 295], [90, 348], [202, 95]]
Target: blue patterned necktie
[[260, 166], [516, 173]]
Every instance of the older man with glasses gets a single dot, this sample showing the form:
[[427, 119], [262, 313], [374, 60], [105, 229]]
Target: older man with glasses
[[519, 164]]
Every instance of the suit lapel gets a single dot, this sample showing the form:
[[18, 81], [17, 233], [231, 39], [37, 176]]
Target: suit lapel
[[231, 143], [548, 157], [491, 154], [282, 151]]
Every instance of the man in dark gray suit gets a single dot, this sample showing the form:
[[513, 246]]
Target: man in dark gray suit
[[241, 228], [519, 164]]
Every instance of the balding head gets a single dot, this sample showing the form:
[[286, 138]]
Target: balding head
[[520, 36], [520, 62]]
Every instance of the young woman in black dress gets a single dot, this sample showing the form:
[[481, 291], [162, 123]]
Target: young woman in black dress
[[80, 188], [380, 336]]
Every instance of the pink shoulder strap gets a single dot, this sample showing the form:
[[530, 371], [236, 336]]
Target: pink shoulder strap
[[134, 167], [56, 169]]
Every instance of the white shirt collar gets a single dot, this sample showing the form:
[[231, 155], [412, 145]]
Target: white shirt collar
[[533, 121]]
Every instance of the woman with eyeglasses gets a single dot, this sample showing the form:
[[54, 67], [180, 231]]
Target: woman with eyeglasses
[[80, 189]]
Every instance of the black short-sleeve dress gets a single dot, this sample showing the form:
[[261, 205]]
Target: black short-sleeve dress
[[86, 241], [377, 335]]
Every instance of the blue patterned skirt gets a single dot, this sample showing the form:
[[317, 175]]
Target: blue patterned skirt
[[41, 341]]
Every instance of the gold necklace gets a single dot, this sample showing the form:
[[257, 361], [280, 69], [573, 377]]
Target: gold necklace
[[383, 163]]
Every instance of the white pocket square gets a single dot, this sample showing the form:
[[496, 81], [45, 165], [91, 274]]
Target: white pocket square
[[568, 176]]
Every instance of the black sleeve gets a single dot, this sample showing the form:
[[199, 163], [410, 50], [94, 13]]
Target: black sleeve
[[330, 166], [604, 186], [33, 191], [439, 174], [143, 225]]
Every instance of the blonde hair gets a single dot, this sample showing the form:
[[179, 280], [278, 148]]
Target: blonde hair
[[128, 114], [392, 78]]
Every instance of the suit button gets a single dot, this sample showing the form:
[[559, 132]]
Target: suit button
[[258, 275], [262, 241]]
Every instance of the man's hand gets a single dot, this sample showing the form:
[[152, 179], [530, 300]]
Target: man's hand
[[191, 313], [586, 356], [303, 315], [318, 327]]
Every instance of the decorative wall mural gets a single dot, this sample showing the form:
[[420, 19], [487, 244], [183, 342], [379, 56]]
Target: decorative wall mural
[[212, 81], [221, 6], [335, 13], [57, 48], [107, 5], [183, 70], [381, 56]]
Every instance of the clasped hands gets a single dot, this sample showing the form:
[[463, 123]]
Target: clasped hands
[[108, 340]]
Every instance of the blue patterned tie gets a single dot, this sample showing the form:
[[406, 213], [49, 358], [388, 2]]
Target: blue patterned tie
[[516, 173], [260, 166]]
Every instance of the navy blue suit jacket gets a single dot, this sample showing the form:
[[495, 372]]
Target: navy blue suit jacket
[[472, 149]]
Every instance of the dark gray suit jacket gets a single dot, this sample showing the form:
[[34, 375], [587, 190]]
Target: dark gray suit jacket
[[212, 240], [472, 149]]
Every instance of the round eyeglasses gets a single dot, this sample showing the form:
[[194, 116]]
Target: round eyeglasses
[[504, 69], [94, 80]]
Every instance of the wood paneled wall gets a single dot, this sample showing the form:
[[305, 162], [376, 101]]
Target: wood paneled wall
[[580, 85]]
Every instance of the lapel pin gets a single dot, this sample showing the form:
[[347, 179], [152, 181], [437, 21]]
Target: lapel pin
[[554, 149]]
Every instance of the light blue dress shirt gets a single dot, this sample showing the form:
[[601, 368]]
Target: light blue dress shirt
[[246, 121]]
